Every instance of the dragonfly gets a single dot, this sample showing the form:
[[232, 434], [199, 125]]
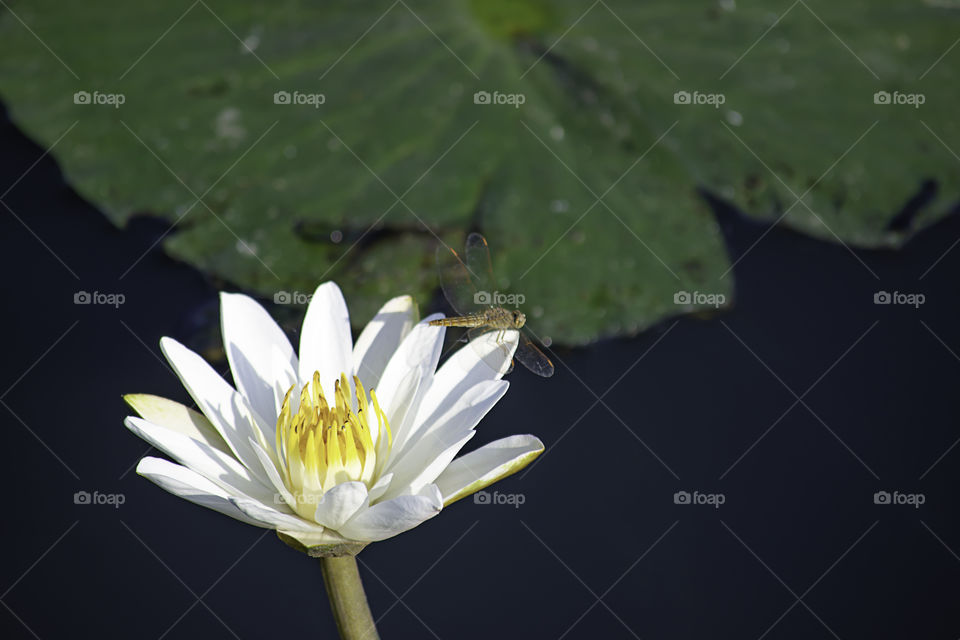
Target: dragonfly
[[478, 309]]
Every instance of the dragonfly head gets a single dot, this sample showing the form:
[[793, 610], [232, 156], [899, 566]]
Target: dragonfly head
[[519, 319]]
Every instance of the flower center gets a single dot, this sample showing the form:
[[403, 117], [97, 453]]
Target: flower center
[[321, 445]]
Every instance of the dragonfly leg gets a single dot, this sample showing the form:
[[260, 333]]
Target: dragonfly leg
[[503, 345]]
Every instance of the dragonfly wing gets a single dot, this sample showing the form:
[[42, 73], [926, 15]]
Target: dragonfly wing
[[460, 279], [477, 257], [533, 358], [455, 281]]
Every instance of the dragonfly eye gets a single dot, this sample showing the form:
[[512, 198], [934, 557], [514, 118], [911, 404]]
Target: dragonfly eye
[[519, 318]]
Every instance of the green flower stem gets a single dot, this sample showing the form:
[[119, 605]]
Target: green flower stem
[[347, 599]]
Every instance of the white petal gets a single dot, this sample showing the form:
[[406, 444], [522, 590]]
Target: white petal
[[378, 489], [325, 342], [340, 503], [402, 401], [270, 468], [482, 359], [279, 520], [486, 465], [226, 409], [213, 464], [465, 413], [283, 378], [175, 416], [432, 450], [190, 485], [387, 519], [420, 352], [437, 454], [250, 338], [381, 337]]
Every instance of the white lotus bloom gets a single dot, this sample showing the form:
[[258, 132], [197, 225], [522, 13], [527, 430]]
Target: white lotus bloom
[[345, 445]]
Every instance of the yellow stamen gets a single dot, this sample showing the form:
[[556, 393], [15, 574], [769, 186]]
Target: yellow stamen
[[321, 445]]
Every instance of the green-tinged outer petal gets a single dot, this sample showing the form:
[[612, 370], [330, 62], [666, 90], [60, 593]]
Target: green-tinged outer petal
[[488, 464], [323, 545], [175, 416]]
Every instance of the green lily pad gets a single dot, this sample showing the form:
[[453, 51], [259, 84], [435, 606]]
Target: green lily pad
[[342, 141]]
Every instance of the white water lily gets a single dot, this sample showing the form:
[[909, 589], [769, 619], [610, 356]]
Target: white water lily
[[345, 445]]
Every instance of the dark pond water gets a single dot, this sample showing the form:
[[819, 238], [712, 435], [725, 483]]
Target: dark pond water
[[797, 405]]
